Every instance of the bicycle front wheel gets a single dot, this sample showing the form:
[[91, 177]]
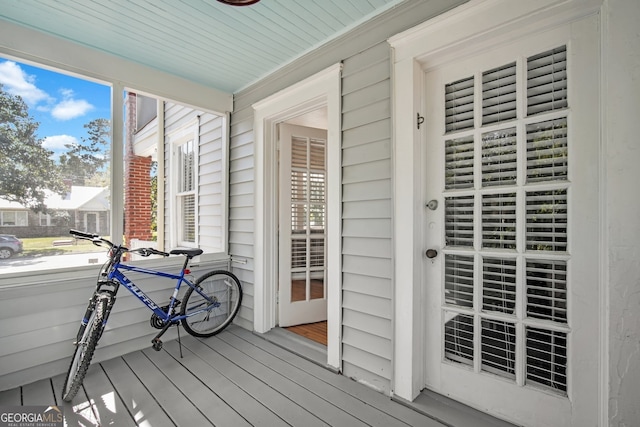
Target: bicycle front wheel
[[212, 304], [85, 346]]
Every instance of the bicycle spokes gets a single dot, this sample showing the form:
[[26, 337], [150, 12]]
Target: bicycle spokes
[[211, 305]]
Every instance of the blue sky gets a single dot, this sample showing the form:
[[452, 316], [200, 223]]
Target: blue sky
[[62, 104]]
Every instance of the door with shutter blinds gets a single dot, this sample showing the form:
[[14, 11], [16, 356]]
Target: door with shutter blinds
[[302, 235], [500, 161]]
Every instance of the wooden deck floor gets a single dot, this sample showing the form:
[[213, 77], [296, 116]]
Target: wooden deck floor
[[233, 379]]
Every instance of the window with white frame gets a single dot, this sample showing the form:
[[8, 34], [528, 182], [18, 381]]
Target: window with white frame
[[14, 218], [45, 219], [190, 180], [174, 184], [58, 159], [186, 194]]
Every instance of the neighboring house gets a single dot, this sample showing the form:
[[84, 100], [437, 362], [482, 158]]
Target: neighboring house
[[82, 208], [457, 184]]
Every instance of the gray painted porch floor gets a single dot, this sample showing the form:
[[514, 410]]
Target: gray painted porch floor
[[233, 379]]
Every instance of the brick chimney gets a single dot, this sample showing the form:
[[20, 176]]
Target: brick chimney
[[137, 187]]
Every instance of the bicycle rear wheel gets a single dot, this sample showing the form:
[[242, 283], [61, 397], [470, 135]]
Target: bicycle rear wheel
[[212, 304], [88, 337]]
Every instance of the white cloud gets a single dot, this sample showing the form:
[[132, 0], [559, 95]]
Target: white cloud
[[70, 108], [66, 93], [58, 142], [17, 82]]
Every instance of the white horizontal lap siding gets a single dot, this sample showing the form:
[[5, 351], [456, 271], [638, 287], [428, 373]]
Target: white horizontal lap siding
[[241, 208], [176, 117], [211, 180], [26, 337], [39, 321], [366, 222], [211, 203], [366, 189]]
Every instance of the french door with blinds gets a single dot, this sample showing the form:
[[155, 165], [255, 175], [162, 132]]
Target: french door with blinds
[[503, 177], [302, 235]]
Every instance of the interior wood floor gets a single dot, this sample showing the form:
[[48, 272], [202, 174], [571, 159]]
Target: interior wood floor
[[314, 331]]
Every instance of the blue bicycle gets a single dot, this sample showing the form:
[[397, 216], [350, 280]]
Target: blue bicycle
[[207, 307]]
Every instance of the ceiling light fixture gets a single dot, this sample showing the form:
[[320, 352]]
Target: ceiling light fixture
[[239, 2]]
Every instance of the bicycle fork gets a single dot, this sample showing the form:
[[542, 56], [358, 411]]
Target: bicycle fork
[[92, 306]]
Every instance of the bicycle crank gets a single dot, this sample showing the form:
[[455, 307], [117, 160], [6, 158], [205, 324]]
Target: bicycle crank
[[156, 321]]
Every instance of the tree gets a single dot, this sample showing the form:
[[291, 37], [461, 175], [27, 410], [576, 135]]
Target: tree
[[83, 163], [26, 167]]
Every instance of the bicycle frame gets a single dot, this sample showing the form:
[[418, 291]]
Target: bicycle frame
[[112, 275], [115, 274]]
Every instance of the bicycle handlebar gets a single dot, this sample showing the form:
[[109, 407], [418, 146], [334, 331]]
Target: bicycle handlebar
[[83, 235], [98, 241], [149, 251], [94, 238]]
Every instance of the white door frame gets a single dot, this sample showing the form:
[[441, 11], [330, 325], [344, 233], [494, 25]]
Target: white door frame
[[321, 89], [464, 30]]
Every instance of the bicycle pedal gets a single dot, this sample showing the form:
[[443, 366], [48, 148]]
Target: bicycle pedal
[[156, 345]]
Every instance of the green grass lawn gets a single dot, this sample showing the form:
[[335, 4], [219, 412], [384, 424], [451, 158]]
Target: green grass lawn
[[43, 246]]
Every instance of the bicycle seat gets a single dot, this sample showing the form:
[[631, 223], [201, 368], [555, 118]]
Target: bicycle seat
[[188, 252]]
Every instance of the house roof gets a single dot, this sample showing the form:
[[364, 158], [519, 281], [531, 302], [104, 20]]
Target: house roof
[[225, 47], [88, 198]]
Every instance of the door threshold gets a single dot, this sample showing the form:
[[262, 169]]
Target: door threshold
[[451, 412], [433, 405], [297, 344]]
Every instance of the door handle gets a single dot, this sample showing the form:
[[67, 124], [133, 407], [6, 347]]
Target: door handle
[[431, 253]]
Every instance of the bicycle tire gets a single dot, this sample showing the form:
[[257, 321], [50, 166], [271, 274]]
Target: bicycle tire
[[88, 337], [207, 319]]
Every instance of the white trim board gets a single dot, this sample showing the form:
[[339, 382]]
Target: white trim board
[[478, 25], [321, 89], [24, 44]]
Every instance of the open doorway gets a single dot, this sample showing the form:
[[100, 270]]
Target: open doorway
[[322, 90], [302, 290]]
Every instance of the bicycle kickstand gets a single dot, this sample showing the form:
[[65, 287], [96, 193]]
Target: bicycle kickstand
[[179, 342]]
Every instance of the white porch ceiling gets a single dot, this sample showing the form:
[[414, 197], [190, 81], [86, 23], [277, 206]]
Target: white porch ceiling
[[205, 41]]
